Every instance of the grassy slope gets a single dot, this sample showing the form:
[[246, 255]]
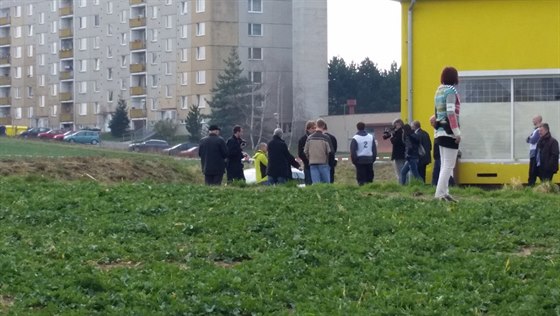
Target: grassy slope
[[342, 250]]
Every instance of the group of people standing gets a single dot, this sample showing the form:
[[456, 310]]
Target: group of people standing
[[543, 152]]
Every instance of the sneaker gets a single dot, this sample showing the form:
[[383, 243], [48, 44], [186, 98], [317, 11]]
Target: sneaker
[[449, 198]]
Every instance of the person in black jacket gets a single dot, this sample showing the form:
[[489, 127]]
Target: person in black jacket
[[279, 159], [332, 155], [411, 142], [309, 129], [426, 143], [395, 135], [234, 165], [547, 154], [213, 152]]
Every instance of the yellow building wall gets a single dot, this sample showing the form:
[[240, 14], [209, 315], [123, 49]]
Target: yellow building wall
[[476, 35]]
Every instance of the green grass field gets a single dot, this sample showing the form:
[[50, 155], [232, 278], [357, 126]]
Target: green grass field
[[121, 248], [13, 147]]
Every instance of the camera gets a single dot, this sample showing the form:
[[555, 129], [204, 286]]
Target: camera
[[243, 143], [388, 132]]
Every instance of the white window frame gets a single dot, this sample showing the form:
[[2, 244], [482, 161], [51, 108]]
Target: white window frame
[[54, 110], [168, 91], [201, 77], [168, 44], [200, 29], [252, 31], [201, 53], [83, 22], [17, 72], [200, 6], [154, 79], [17, 53], [184, 54], [30, 51], [169, 21], [83, 43], [184, 7], [83, 109], [42, 101], [17, 31], [97, 64], [184, 31], [154, 12], [83, 65], [184, 78], [184, 102], [109, 73], [18, 11], [30, 9], [83, 87], [110, 7]]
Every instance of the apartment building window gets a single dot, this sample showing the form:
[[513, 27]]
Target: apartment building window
[[53, 6], [96, 42], [18, 11], [83, 3], [201, 53], [17, 94], [167, 68], [95, 2], [42, 80], [17, 32], [109, 73], [54, 90], [54, 27], [154, 104], [201, 77], [255, 6], [83, 43], [95, 86], [184, 78], [200, 29], [30, 112], [123, 61], [42, 101], [123, 39], [54, 110], [30, 51], [30, 9], [83, 87], [17, 71], [168, 91], [169, 21], [96, 21], [154, 58], [54, 69], [42, 39], [54, 48], [96, 108], [169, 44], [154, 81], [30, 71], [184, 31], [200, 6], [184, 54], [255, 76], [184, 8], [18, 52], [168, 2], [109, 30], [255, 29], [184, 102], [30, 92], [97, 64], [123, 16], [30, 30], [110, 7], [110, 96], [18, 113], [83, 108], [83, 65], [122, 84], [154, 12], [83, 22], [154, 35], [42, 18], [42, 59]]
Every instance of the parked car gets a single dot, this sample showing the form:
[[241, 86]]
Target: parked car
[[50, 134], [83, 137], [61, 136], [151, 145], [173, 151], [33, 132], [189, 153]]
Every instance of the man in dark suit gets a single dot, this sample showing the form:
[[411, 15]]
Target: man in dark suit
[[309, 129], [234, 164], [213, 152], [426, 143]]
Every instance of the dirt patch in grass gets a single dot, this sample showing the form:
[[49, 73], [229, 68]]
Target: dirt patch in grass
[[227, 265], [116, 265], [6, 301], [101, 169]]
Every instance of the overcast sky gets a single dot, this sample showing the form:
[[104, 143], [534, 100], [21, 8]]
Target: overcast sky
[[376, 22]]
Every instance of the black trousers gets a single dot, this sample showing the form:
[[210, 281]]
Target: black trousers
[[364, 173], [307, 174], [533, 171], [332, 174], [422, 171], [235, 172], [213, 179]]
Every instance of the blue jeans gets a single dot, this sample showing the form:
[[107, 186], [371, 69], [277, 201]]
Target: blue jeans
[[412, 166], [276, 180], [320, 173]]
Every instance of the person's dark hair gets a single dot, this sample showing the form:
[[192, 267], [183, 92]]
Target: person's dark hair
[[407, 130], [321, 124], [310, 125], [449, 76], [236, 129], [361, 126], [545, 126]]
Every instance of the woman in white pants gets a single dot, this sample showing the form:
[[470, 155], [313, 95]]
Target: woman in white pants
[[448, 134]]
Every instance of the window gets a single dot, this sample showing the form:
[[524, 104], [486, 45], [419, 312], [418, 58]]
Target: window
[[18, 11], [184, 54], [184, 102], [154, 12], [123, 61], [83, 22], [83, 87], [200, 6], [96, 108], [18, 113], [42, 59], [18, 52], [154, 81], [83, 108], [30, 51], [184, 31], [122, 84], [54, 27], [54, 110], [42, 80], [96, 21], [54, 69], [42, 101], [200, 29], [83, 3], [109, 29], [30, 92], [255, 29], [167, 68], [168, 91], [255, 6], [154, 104], [123, 16], [184, 78], [54, 48], [154, 58], [17, 94], [30, 71], [169, 44], [184, 8], [168, 2], [42, 18], [255, 76], [201, 77], [17, 31], [110, 96], [95, 86], [53, 6], [42, 39], [83, 65], [17, 71], [95, 2], [30, 112], [123, 39], [110, 7], [96, 42], [30, 30], [154, 35], [54, 90], [201, 53], [83, 43], [109, 52], [169, 21], [109, 73], [30, 9]]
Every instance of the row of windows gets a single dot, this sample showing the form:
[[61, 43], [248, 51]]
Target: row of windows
[[493, 90]]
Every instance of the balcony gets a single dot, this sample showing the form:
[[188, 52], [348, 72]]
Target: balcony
[[66, 32], [66, 11], [5, 100], [137, 44], [66, 53], [5, 20], [5, 81], [7, 120], [137, 67], [65, 96], [134, 2], [66, 117], [137, 90], [66, 75], [137, 113], [137, 22], [5, 40], [4, 60]]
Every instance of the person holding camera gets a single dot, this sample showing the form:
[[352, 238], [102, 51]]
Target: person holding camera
[[395, 135], [448, 133], [234, 166]]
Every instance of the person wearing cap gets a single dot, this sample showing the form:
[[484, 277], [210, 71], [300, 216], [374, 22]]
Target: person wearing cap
[[234, 164], [213, 152], [279, 159]]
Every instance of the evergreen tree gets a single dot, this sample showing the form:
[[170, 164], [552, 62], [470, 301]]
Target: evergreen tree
[[231, 98], [119, 122], [194, 123]]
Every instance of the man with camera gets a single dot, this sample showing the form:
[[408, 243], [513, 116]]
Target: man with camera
[[235, 145], [395, 135]]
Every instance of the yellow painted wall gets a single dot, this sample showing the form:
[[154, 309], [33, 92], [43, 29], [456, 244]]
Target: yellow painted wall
[[476, 35]]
